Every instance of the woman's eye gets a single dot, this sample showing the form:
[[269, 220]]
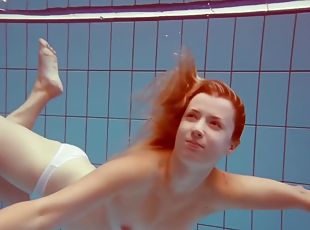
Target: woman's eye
[[216, 124], [191, 115]]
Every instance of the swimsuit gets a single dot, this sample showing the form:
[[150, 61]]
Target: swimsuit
[[65, 153]]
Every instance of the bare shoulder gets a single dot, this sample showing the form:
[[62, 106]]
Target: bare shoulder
[[215, 180], [225, 188], [216, 189], [131, 168], [226, 183]]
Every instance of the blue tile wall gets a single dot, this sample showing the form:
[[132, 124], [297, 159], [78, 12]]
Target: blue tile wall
[[295, 219], [40, 126], [121, 56], [57, 3], [101, 3], [17, 5], [78, 2], [2, 91], [118, 130], [99, 45], [140, 108], [76, 93], [135, 130], [169, 43], [246, 86], [75, 131], [142, 2], [215, 219], [96, 140], [78, 46], [301, 52], [16, 89], [247, 47], [145, 45], [194, 38], [220, 44], [267, 220], [238, 219], [3, 58], [298, 105], [98, 91], [15, 45], [272, 101], [241, 161], [268, 156], [120, 90], [297, 155], [278, 37], [53, 125], [36, 5]]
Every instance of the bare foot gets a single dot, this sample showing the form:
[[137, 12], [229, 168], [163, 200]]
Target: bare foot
[[48, 79]]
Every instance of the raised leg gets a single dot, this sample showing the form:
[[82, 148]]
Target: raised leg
[[47, 86], [23, 154]]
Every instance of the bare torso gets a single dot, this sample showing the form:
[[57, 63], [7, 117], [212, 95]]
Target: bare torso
[[151, 206]]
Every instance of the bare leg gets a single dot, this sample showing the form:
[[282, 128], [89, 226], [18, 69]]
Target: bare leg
[[23, 154], [47, 86], [9, 194]]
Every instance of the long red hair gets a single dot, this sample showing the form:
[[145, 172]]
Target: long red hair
[[171, 94]]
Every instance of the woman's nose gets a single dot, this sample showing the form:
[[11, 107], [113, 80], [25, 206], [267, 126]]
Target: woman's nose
[[197, 133]]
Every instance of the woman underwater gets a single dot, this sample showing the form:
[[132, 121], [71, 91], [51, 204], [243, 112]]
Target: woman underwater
[[166, 180]]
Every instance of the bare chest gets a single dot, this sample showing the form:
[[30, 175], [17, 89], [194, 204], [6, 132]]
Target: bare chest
[[152, 211]]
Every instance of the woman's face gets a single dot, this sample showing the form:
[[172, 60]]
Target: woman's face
[[205, 131]]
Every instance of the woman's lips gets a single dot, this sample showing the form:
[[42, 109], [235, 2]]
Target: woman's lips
[[194, 145]]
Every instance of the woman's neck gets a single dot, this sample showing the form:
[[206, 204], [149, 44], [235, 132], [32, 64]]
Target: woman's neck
[[184, 178]]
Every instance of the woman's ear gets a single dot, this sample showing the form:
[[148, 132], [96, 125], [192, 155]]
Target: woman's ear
[[233, 146]]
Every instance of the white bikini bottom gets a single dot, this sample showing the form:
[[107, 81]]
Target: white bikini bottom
[[65, 153]]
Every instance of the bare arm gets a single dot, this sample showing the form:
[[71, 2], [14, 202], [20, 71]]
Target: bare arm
[[61, 207], [248, 192], [10, 220]]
